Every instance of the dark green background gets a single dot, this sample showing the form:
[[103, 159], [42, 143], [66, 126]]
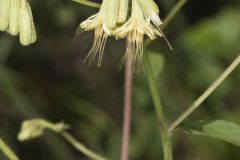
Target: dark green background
[[49, 80]]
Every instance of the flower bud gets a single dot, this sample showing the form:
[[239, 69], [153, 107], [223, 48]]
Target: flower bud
[[112, 13], [26, 24], [34, 128], [122, 11], [33, 34], [14, 18], [151, 8], [31, 129], [4, 14]]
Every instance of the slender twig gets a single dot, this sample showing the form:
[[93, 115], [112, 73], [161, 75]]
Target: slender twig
[[88, 3], [6, 150], [166, 137], [173, 13], [31, 127], [127, 108], [205, 95], [79, 146], [154, 91]]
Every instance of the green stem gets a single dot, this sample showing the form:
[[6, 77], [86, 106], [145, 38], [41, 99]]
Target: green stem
[[79, 146], [9, 153], [173, 13], [88, 3], [60, 128], [166, 141], [205, 95], [166, 137], [154, 91]]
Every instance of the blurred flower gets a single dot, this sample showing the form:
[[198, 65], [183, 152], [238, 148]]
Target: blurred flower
[[34, 128], [31, 129], [104, 23], [4, 14], [26, 24]]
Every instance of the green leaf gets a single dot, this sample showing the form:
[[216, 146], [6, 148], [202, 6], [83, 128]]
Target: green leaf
[[220, 129], [79, 31], [157, 63]]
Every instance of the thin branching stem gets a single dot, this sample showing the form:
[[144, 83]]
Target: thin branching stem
[[6, 150], [60, 128], [166, 137], [205, 95], [173, 13], [79, 146]]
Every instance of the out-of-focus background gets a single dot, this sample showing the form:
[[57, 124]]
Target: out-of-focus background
[[49, 80]]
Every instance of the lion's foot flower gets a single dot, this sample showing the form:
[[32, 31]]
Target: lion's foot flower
[[16, 18], [104, 23], [111, 20], [135, 28]]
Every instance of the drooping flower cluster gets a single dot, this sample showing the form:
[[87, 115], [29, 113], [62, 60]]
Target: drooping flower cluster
[[111, 20], [16, 18]]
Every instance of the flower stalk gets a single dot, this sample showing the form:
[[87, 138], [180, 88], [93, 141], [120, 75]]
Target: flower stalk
[[35, 128], [205, 95], [127, 109]]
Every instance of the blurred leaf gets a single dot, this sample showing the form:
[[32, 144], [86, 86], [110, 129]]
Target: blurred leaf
[[216, 35], [157, 63], [220, 129]]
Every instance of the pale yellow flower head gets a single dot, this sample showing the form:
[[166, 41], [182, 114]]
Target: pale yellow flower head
[[135, 28], [103, 23], [144, 20]]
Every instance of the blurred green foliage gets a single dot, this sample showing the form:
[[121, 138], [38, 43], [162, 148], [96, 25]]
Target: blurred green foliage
[[49, 80]]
